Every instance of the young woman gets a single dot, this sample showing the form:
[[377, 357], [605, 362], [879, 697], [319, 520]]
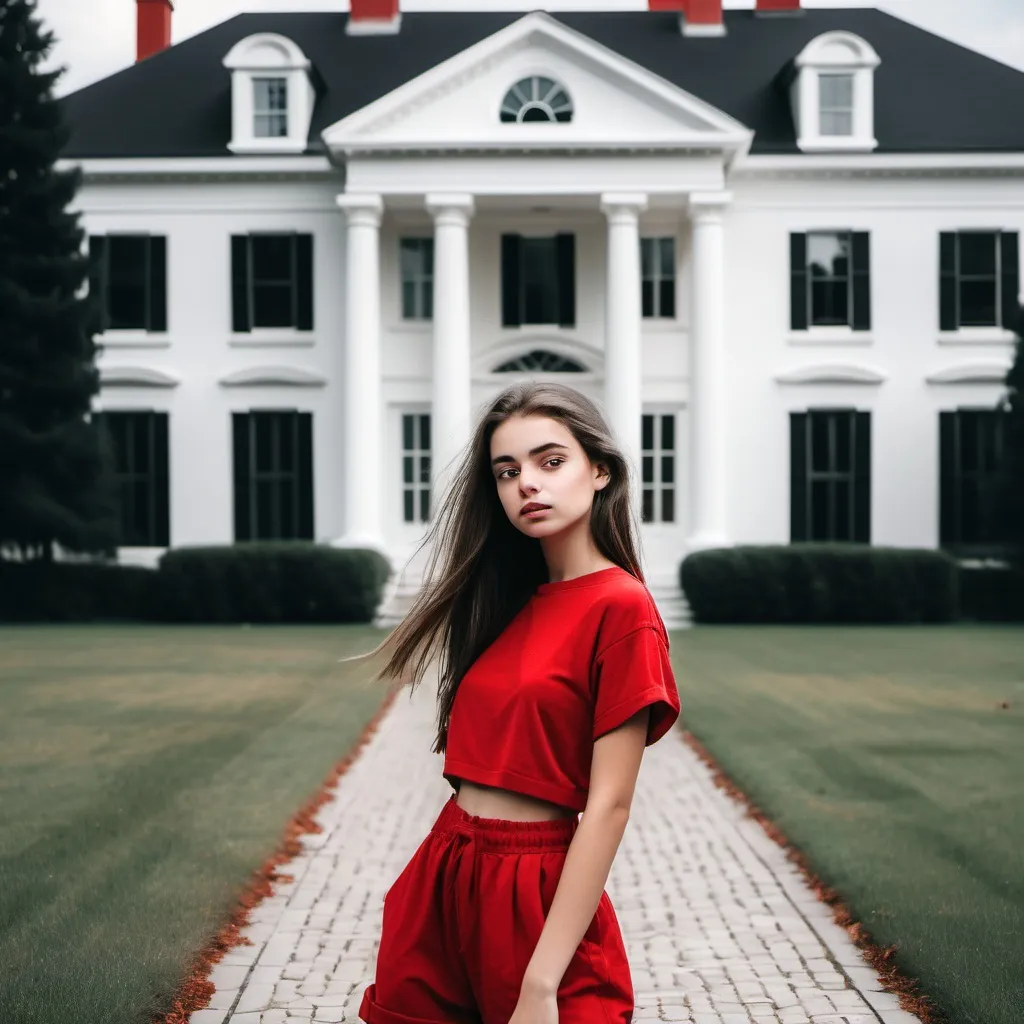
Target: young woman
[[554, 675]]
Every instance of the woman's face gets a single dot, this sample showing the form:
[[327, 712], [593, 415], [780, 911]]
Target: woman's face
[[537, 459]]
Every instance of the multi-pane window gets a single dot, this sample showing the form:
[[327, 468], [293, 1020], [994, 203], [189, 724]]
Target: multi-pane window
[[536, 99], [128, 277], [658, 443], [416, 467], [830, 475], [270, 108], [538, 280], [971, 445], [139, 451], [830, 273], [658, 277], [979, 279], [273, 468], [272, 281], [417, 266], [835, 92]]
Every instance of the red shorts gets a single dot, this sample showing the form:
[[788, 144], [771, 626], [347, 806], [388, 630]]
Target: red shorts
[[463, 918]]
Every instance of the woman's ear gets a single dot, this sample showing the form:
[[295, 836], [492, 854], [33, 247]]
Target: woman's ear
[[604, 476]]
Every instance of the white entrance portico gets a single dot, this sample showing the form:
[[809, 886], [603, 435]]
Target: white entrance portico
[[435, 153]]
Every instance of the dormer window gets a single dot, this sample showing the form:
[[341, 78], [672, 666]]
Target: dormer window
[[536, 99], [272, 95], [833, 94], [270, 107]]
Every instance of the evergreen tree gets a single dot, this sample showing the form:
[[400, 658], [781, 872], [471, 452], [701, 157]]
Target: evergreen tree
[[1011, 478], [54, 485]]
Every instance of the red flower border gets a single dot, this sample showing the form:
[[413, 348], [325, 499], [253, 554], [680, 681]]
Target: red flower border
[[881, 959], [196, 990]]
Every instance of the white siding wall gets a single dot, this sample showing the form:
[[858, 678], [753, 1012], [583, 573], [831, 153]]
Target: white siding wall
[[903, 215]]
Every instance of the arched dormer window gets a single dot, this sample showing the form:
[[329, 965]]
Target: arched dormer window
[[833, 94], [536, 99], [541, 361], [272, 95]]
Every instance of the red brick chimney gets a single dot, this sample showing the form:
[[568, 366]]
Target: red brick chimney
[[778, 6], [697, 17], [154, 26], [372, 17]]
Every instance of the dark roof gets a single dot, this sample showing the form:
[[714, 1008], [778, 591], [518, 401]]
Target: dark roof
[[931, 94]]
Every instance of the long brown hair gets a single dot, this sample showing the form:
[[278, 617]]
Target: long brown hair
[[481, 569]]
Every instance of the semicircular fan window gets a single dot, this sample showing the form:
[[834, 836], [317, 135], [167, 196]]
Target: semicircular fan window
[[546, 362], [536, 99]]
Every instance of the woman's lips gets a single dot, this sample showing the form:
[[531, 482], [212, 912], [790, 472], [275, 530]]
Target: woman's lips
[[536, 512]]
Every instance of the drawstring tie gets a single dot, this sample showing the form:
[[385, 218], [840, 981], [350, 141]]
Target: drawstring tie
[[466, 878]]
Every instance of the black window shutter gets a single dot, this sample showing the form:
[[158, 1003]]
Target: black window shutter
[[949, 319], [305, 475], [98, 270], [947, 479], [797, 477], [862, 477], [511, 276], [565, 253], [157, 283], [798, 281], [240, 283], [161, 480], [304, 270], [861, 281], [240, 426], [1009, 242]]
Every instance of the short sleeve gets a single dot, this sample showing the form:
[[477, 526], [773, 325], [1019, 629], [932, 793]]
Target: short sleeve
[[633, 673]]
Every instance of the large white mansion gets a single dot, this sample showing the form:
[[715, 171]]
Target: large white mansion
[[779, 246]]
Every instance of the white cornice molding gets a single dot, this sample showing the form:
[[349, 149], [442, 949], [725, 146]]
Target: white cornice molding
[[531, 340], [203, 168], [888, 165], [276, 376], [832, 373], [137, 377], [977, 371]]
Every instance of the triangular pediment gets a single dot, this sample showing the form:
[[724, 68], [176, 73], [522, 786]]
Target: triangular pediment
[[616, 103]]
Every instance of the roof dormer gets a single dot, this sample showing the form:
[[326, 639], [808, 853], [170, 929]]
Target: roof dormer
[[833, 94], [272, 95]]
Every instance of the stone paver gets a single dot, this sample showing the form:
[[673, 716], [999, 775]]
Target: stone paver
[[720, 927]]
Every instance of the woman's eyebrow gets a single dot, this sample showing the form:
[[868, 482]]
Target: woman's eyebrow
[[533, 451]]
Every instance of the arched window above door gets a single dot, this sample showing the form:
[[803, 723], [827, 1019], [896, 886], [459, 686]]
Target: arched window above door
[[543, 361], [536, 99]]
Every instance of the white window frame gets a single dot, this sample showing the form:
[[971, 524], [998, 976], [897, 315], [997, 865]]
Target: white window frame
[[422, 283], [267, 55], [270, 113], [658, 485], [834, 53]]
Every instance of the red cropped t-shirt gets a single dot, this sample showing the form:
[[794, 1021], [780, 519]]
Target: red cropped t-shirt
[[582, 656]]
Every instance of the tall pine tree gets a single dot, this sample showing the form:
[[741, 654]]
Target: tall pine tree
[[54, 487], [1011, 479]]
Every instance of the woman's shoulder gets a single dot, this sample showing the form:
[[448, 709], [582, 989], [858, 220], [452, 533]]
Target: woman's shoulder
[[626, 605]]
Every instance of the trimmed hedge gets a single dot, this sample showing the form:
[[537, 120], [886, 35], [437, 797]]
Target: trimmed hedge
[[271, 582], [254, 582], [76, 592], [992, 594], [820, 583]]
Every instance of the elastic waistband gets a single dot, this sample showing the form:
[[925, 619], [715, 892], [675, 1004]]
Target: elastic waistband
[[502, 834]]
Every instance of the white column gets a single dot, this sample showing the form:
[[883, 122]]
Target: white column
[[450, 415], [707, 387], [362, 445], [622, 372]]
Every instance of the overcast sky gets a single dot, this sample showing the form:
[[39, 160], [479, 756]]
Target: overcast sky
[[97, 37]]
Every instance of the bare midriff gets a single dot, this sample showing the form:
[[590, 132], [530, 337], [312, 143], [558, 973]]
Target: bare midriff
[[489, 802]]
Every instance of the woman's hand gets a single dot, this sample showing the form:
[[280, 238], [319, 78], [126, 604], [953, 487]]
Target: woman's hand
[[535, 1007]]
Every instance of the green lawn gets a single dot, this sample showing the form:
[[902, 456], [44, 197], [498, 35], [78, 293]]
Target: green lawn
[[144, 773], [885, 757]]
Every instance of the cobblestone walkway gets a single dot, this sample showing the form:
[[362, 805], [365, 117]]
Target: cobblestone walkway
[[720, 928]]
